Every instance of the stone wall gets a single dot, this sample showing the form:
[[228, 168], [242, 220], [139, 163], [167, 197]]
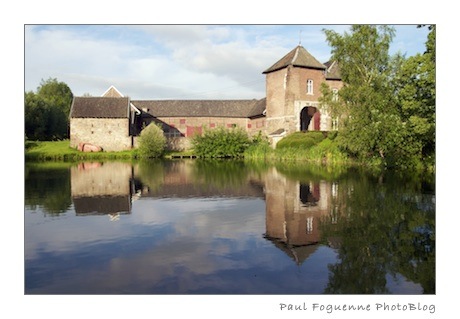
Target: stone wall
[[287, 95], [110, 134]]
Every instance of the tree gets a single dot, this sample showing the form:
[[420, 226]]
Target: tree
[[373, 128], [36, 117], [151, 141], [416, 87], [56, 93], [47, 111]]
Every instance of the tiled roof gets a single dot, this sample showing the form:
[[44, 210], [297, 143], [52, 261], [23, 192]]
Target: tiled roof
[[298, 57], [100, 107], [112, 92], [202, 108], [333, 71]]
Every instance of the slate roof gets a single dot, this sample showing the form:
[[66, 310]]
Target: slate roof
[[298, 57], [202, 108], [100, 107], [333, 71]]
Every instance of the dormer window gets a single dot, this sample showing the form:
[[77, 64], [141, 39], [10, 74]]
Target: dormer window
[[309, 86]]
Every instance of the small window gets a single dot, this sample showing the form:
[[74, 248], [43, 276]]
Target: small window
[[182, 121], [309, 86], [335, 95]]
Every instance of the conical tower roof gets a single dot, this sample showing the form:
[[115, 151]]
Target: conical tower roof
[[298, 57]]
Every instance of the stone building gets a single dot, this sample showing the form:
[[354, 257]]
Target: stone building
[[293, 83]]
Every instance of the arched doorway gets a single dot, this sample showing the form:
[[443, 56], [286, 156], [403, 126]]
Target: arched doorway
[[306, 115]]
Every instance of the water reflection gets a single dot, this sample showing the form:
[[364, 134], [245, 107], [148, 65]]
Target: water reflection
[[293, 212], [99, 189], [227, 227]]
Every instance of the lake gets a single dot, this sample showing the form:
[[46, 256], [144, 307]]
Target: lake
[[226, 227]]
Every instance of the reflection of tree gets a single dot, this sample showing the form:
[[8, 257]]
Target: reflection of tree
[[221, 174], [306, 172], [151, 173], [49, 187], [386, 227]]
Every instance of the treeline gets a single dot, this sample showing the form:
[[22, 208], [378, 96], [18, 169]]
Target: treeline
[[47, 111], [386, 110]]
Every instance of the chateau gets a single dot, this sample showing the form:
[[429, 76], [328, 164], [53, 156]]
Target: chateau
[[113, 121]]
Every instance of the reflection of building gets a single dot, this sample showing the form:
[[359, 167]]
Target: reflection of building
[[293, 213], [100, 189], [183, 179]]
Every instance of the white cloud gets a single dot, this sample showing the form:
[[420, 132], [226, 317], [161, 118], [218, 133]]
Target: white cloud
[[172, 61]]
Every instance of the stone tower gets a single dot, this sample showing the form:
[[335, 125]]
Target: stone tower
[[292, 90]]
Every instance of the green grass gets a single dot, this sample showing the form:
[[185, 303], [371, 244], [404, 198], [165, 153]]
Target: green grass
[[302, 140], [61, 150], [312, 147]]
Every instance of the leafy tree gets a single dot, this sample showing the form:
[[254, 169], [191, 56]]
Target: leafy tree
[[56, 93], [36, 117], [372, 128], [388, 102], [47, 111], [416, 92], [152, 142]]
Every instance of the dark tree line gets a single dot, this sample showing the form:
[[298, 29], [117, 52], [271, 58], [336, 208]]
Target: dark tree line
[[47, 111]]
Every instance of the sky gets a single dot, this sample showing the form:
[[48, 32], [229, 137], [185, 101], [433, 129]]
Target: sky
[[177, 61]]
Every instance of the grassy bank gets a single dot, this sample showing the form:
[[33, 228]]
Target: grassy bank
[[61, 151], [298, 147], [312, 147]]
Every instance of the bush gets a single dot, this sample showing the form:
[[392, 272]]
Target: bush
[[152, 142], [302, 140], [221, 142]]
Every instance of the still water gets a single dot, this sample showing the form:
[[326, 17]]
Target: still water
[[226, 227]]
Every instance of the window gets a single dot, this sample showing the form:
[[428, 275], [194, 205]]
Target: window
[[309, 86], [335, 95], [182, 121]]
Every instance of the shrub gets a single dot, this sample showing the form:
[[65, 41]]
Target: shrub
[[221, 142], [152, 142], [302, 140]]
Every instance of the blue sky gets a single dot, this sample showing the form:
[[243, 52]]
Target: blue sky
[[176, 61]]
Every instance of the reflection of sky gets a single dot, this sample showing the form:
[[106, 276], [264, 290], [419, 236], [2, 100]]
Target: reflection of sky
[[166, 246], [171, 246]]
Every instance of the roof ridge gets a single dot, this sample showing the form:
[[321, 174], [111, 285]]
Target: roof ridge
[[295, 54]]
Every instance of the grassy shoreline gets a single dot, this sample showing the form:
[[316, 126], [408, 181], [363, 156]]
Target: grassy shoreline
[[60, 151], [40, 151], [325, 153]]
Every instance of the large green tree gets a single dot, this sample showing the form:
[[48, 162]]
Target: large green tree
[[380, 122], [416, 93], [47, 111]]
